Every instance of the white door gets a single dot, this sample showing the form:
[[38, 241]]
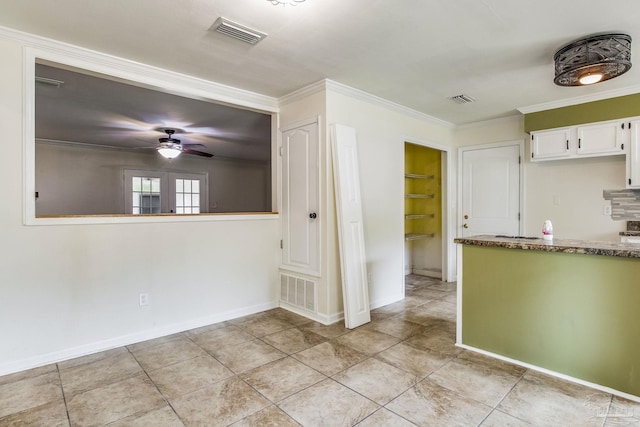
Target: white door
[[353, 260], [300, 223], [491, 190]]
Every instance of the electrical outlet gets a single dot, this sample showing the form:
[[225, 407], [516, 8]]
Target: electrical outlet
[[144, 299], [606, 210]]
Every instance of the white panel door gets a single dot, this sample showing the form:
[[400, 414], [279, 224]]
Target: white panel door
[[491, 191], [300, 224], [353, 260]]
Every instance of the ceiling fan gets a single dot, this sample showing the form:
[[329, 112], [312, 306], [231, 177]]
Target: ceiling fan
[[171, 147]]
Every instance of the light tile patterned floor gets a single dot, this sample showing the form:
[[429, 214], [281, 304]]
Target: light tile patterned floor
[[279, 369]]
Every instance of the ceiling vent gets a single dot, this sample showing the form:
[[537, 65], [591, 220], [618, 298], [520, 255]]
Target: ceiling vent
[[237, 31], [462, 99]]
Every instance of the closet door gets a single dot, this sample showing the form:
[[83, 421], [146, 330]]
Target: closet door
[[300, 195]]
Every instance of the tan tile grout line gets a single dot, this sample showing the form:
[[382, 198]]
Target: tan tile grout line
[[64, 396]]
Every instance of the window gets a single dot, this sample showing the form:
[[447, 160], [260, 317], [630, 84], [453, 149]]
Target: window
[[153, 192]]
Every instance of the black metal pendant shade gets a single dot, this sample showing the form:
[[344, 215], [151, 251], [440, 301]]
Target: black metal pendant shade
[[593, 59]]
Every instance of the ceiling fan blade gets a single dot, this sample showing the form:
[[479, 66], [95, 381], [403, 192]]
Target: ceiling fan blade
[[193, 146], [196, 152]]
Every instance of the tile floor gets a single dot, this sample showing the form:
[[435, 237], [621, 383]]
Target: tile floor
[[278, 369]]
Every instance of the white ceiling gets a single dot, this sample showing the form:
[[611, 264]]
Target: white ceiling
[[417, 53]]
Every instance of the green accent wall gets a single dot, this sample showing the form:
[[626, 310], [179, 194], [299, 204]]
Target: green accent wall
[[597, 111], [574, 314]]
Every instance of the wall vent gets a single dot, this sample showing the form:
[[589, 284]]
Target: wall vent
[[237, 31], [463, 99], [298, 292]]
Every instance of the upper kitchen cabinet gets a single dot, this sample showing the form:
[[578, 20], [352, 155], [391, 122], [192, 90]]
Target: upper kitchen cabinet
[[551, 144], [633, 155], [597, 139]]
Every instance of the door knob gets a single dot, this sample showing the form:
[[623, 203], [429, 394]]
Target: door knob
[[313, 215], [465, 225], [466, 217]]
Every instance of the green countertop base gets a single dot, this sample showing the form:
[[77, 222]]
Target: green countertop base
[[577, 315]]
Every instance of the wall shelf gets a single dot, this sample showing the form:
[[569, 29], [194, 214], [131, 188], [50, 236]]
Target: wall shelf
[[419, 176], [419, 196], [419, 216], [418, 236]]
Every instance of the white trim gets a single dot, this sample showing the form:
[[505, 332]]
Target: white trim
[[631, 90], [552, 373], [138, 219], [330, 85], [295, 125], [95, 347], [448, 207], [520, 144], [386, 301], [320, 318], [490, 122]]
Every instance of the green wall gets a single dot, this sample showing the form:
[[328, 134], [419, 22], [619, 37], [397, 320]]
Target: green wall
[[574, 314], [597, 111]]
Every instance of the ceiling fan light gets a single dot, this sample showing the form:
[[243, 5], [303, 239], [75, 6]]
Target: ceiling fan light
[[590, 78], [168, 152], [601, 55]]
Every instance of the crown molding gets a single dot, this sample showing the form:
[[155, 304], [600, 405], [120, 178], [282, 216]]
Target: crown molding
[[580, 99], [330, 85], [178, 83], [490, 122]]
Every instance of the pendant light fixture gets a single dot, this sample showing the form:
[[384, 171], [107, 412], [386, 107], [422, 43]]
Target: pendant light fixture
[[285, 2], [593, 59]]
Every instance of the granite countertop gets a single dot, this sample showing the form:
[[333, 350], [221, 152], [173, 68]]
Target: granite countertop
[[625, 250]]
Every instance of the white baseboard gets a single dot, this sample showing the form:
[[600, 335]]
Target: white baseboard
[[437, 274], [317, 317], [95, 347], [552, 373], [386, 301]]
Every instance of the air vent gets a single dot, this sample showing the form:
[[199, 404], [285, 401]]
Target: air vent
[[237, 31], [462, 99]]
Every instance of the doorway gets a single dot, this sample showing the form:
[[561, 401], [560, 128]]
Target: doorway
[[425, 207]]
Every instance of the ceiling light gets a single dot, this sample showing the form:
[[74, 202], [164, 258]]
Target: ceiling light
[[169, 152], [593, 59], [285, 2]]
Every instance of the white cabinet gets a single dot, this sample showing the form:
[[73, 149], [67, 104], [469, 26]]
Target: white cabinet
[[600, 139], [551, 144], [592, 140], [633, 155]]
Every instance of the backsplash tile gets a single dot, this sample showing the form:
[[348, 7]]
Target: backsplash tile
[[625, 204]]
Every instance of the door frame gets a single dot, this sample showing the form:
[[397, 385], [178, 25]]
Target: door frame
[[516, 142], [447, 186]]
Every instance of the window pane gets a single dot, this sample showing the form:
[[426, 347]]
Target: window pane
[[180, 210], [196, 210], [195, 186], [146, 185], [187, 199], [155, 185], [136, 183], [187, 186], [179, 199], [135, 199], [195, 200], [179, 185], [136, 210]]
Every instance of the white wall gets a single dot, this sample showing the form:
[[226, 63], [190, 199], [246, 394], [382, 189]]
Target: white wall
[[79, 179], [381, 134], [66, 290], [576, 211]]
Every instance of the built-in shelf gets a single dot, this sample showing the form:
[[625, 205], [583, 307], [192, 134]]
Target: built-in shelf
[[418, 176], [419, 216], [418, 236], [419, 196]]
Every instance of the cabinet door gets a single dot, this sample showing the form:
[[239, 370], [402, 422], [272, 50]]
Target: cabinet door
[[551, 144], [601, 139], [300, 195], [633, 156]]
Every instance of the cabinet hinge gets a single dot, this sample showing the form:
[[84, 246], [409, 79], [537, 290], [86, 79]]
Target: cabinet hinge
[[532, 155], [518, 216], [622, 146], [629, 181], [37, 194], [519, 160], [579, 142], [281, 245]]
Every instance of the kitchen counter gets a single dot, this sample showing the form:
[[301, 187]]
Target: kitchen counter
[[616, 249], [568, 307]]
